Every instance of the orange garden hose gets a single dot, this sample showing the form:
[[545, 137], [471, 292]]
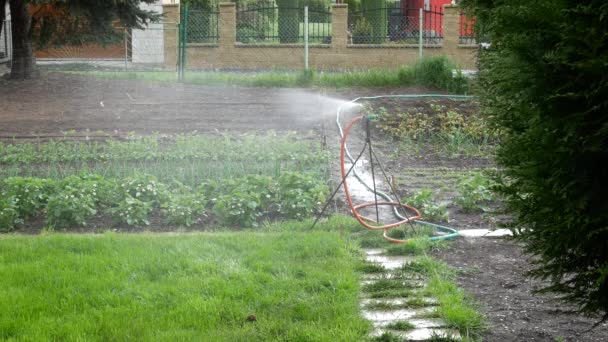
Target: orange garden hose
[[363, 220]]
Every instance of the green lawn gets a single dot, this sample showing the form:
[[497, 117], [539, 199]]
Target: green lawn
[[109, 287]]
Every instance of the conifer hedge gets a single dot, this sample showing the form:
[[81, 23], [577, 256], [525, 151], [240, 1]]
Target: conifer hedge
[[544, 84]]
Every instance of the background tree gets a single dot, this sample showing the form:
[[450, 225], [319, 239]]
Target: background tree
[[544, 84], [376, 16], [60, 21], [289, 22]]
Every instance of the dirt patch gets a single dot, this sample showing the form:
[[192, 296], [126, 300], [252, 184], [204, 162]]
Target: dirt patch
[[60, 103], [493, 271]]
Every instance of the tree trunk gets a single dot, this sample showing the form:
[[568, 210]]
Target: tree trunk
[[24, 62]]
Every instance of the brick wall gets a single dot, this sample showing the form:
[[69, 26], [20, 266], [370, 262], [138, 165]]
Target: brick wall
[[339, 55]]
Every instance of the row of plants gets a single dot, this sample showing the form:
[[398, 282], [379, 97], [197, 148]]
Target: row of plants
[[74, 200], [474, 195], [190, 159], [438, 129], [179, 147], [419, 125]]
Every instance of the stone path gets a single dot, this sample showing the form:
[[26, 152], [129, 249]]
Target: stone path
[[409, 317]]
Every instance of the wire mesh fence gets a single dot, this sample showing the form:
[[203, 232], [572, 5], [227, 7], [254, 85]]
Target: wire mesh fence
[[267, 23], [203, 26], [6, 45], [394, 23]]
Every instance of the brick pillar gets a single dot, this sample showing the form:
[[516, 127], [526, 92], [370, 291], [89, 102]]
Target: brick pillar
[[339, 26], [451, 29], [464, 57], [227, 29], [171, 33]]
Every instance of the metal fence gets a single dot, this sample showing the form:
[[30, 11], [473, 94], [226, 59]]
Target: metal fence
[[266, 23], [203, 25], [466, 29], [6, 46], [394, 23]]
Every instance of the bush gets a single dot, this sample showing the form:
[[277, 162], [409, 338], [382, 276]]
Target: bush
[[544, 83], [29, 194], [436, 72], [474, 193], [144, 188], [300, 194], [289, 21], [131, 211], [362, 32], [428, 207], [72, 204], [182, 208], [9, 214]]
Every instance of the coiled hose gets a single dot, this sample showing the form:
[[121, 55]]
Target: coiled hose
[[452, 233]]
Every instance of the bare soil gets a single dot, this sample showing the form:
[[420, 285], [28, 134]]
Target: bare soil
[[493, 272], [80, 107]]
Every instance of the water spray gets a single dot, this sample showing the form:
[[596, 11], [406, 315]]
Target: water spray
[[400, 210]]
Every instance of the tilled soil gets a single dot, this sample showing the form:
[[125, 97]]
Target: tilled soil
[[493, 272], [60, 103]]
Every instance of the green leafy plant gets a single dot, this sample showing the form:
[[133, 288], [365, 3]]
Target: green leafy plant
[[9, 214], [423, 200], [132, 211], [70, 206], [183, 208], [300, 194], [145, 188], [474, 193], [29, 194], [238, 208]]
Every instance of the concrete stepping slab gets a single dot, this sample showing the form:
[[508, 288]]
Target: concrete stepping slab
[[422, 334], [407, 283], [484, 232], [390, 262], [425, 334], [399, 301], [395, 315], [391, 275]]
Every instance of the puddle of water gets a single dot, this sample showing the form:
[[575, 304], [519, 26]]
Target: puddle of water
[[373, 251]]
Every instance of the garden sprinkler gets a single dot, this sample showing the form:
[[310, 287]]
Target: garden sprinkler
[[400, 209], [367, 222]]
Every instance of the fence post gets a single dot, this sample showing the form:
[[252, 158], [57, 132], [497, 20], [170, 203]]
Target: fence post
[[339, 26], [126, 48], [420, 32], [184, 42], [464, 58], [227, 23], [306, 38], [171, 38]]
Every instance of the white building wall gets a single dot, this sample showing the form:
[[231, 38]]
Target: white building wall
[[6, 45], [147, 45]]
